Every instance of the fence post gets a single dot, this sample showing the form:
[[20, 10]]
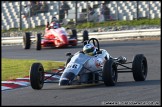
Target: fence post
[[137, 10], [117, 10], [59, 10], [149, 9], [30, 16], [76, 11], [20, 26], [87, 12]]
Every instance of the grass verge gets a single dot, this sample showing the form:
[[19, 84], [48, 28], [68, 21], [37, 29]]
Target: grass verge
[[117, 23], [15, 68]]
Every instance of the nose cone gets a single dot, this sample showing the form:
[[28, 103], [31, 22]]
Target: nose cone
[[66, 78]]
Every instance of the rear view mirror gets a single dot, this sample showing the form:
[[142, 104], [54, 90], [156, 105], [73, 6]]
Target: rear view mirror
[[68, 54], [85, 42]]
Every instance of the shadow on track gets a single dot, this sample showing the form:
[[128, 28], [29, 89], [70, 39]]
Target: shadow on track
[[101, 85], [139, 83]]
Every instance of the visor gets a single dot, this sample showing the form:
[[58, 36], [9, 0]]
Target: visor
[[89, 50]]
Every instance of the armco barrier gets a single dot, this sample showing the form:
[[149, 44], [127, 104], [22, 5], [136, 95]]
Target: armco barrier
[[99, 35], [126, 34]]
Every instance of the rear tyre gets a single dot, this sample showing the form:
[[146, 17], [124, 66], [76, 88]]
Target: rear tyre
[[85, 35], [74, 33], [26, 40], [37, 76], [38, 42], [139, 67], [110, 74]]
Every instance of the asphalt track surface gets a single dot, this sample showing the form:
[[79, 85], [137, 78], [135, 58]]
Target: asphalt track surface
[[126, 91]]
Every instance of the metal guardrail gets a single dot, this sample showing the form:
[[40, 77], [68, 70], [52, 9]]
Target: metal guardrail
[[99, 35], [126, 34]]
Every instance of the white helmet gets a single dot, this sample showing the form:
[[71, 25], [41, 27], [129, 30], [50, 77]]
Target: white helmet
[[89, 49]]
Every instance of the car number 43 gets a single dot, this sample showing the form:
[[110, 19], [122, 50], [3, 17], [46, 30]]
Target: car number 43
[[73, 66]]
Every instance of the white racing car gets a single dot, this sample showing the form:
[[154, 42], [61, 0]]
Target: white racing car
[[82, 68]]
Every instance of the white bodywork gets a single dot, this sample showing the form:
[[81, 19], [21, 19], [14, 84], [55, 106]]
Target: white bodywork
[[97, 61], [82, 64]]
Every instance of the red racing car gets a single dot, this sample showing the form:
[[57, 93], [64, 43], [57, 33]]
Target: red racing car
[[59, 37]]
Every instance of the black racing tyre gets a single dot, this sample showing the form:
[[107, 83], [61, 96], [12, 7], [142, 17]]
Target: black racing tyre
[[85, 35], [37, 76], [26, 40], [38, 41], [74, 33], [139, 67], [110, 74], [68, 60]]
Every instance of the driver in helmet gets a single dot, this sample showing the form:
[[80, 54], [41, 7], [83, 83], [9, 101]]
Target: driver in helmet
[[89, 49], [54, 24]]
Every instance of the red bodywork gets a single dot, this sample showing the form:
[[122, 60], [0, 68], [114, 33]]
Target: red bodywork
[[57, 38]]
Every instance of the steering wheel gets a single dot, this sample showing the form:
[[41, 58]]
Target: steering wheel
[[95, 42]]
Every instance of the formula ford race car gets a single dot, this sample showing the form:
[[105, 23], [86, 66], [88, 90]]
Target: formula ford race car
[[81, 68], [59, 37]]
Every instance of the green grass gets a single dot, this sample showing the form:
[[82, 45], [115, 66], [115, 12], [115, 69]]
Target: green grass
[[156, 21], [121, 23], [14, 68]]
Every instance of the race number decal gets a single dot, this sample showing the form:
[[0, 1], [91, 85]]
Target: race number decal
[[73, 66]]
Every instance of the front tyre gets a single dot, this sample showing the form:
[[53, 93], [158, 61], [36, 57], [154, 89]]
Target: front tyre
[[110, 75], [26, 40], [38, 42], [37, 76], [139, 67]]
